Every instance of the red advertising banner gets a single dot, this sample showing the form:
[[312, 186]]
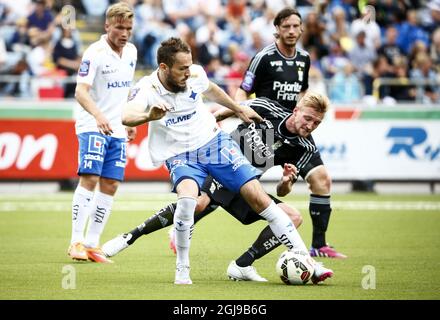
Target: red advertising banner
[[47, 150]]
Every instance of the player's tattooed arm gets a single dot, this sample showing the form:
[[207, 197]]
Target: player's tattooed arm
[[286, 182]]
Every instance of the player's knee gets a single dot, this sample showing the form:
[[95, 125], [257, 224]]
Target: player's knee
[[88, 181], [293, 214], [185, 208], [108, 186], [321, 184]]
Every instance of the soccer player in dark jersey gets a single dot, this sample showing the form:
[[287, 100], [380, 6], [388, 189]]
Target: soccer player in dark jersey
[[283, 138], [280, 72]]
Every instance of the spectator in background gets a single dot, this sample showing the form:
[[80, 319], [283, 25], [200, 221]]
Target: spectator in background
[[338, 29], [435, 49], [402, 91], [362, 57], [41, 18], [316, 81], [256, 43], [240, 62], [39, 58], [423, 71], [66, 57], [95, 8], [256, 9], [210, 48], [418, 47], [388, 12], [211, 8], [431, 20], [367, 23], [264, 26], [345, 86], [390, 49], [313, 34], [335, 61], [150, 29], [382, 69], [410, 31], [183, 11]]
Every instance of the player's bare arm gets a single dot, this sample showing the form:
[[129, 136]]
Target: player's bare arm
[[245, 113], [241, 95], [289, 177], [135, 114], [222, 114], [82, 95]]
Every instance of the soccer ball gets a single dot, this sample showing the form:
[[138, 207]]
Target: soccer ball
[[294, 267]]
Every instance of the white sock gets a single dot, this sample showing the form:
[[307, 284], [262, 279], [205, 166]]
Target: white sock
[[283, 228], [80, 212], [101, 210], [184, 226]]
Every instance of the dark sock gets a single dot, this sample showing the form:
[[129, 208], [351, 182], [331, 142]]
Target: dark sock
[[161, 219], [264, 244], [320, 210]]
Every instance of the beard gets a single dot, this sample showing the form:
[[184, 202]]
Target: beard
[[174, 87]]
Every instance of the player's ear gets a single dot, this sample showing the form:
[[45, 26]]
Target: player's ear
[[277, 32], [163, 66]]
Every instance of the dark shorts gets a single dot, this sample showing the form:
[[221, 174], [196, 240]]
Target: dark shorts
[[313, 163], [232, 202]]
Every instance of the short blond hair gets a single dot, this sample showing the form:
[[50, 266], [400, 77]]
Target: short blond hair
[[120, 11], [318, 102]]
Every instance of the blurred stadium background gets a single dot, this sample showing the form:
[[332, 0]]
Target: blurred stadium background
[[381, 71]]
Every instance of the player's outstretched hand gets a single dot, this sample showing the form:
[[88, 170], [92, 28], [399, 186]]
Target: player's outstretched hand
[[157, 111], [290, 172], [248, 115]]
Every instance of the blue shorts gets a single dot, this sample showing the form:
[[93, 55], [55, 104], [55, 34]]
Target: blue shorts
[[101, 155], [221, 158]]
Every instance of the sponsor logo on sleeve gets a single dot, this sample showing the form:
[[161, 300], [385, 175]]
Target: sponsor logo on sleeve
[[84, 68], [133, 93], [248, 81]]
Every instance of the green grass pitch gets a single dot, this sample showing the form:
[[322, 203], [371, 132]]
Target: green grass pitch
[[393, 244]]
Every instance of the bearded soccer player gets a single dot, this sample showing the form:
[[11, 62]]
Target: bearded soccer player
[[281, 139]]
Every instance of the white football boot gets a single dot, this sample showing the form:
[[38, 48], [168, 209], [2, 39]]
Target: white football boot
[[116, 245], [248, 273]]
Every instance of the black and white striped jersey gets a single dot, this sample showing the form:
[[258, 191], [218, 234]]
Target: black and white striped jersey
[[279, 78], [269, 143]]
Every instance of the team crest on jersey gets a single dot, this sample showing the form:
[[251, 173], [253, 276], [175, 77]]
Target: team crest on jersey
[[248, 81], [193, 95], [276, 145], [84, 68], [300, 63], [133, 93]]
